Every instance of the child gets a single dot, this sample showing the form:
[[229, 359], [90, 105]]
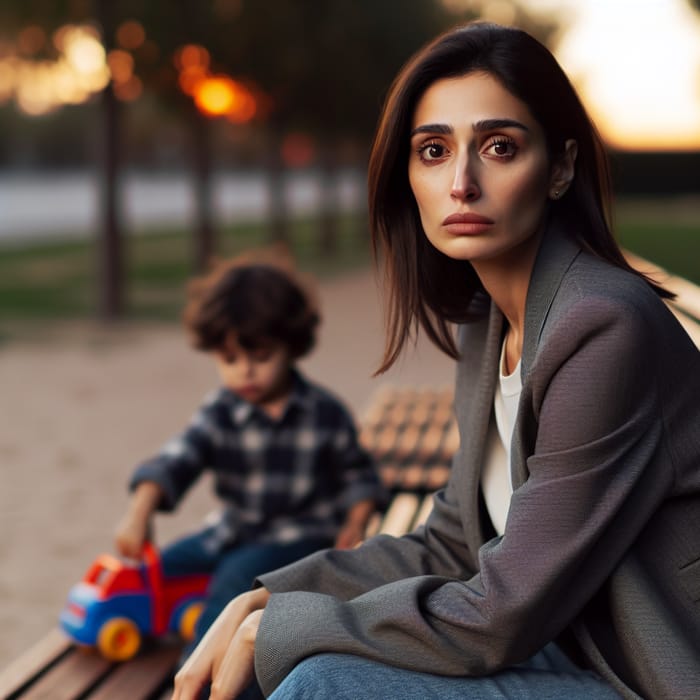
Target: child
[[284, 452]]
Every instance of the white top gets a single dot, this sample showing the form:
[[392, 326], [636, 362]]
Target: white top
[[495, 477]]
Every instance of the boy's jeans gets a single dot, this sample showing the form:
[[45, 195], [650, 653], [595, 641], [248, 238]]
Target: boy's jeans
[[233, 570]]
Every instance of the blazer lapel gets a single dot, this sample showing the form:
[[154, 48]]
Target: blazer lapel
[[557, 253], [476, 384]]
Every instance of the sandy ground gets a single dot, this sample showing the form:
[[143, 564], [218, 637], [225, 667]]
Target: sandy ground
[[78, 410]]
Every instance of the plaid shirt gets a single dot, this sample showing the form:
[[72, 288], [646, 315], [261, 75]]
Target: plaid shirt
[[280, 480]]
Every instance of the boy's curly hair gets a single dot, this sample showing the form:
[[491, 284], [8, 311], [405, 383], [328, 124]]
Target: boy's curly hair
[[261, 300]]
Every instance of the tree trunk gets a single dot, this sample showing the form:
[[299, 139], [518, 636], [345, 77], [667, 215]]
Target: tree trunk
[[275, 173], [194, 23], [328, 214], [110, 264], [204, 242]]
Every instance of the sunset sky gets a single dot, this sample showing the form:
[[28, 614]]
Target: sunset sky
[[636, 64]]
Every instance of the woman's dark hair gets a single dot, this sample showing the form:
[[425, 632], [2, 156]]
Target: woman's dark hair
[[427, 288], [261, 303]]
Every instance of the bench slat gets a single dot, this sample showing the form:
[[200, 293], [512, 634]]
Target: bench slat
[[33, 662], [77, 673], [426, 506], [147, 674], [400, 515], [687, 294]]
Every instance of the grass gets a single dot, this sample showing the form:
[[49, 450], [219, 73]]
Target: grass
[[58, 280], [674, 247]]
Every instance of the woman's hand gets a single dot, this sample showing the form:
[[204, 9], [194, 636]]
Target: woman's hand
[[225, 656]]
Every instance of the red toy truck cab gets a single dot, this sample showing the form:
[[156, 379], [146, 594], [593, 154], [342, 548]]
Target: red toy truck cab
[[116, 604]]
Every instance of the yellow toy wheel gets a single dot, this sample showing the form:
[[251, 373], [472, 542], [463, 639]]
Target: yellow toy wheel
[[188, 620], [118, 639]]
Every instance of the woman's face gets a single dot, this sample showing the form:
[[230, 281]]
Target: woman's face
[[478, 168]]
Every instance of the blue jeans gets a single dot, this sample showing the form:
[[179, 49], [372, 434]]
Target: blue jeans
[[549, 675], [233, 570]]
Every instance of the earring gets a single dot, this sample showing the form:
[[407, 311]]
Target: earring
[[556, 194]]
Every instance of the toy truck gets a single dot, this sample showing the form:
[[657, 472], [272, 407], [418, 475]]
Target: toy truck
[[116, 605]]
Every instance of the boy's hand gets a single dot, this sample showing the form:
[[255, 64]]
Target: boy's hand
[[130, 536], [350, 535], [353, 530], [134, 528]]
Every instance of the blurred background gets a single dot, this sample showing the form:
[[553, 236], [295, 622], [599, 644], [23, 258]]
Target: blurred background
[[140, 139]]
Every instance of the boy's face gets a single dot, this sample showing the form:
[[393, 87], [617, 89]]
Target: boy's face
[[259, 375]]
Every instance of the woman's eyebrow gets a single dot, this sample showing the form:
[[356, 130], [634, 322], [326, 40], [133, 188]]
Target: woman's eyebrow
[[482, 125], [491, 124], [444, 129]]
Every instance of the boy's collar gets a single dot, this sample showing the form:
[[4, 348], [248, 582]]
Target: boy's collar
[[241, 410]]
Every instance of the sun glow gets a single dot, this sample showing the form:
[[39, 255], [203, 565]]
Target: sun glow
[[41, 86], [215, 95], [636, 64]]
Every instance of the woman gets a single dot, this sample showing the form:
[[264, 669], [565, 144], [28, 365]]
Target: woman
[[562, 558]]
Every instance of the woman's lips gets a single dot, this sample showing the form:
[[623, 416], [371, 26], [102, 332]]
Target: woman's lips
[[467, 224]]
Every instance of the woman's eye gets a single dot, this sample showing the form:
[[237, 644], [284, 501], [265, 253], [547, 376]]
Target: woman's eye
[[501, 148], [431, 151]]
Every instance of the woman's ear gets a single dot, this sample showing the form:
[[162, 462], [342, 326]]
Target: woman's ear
[[563, 170]]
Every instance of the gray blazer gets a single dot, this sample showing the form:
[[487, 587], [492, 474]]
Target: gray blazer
[[602, 543]]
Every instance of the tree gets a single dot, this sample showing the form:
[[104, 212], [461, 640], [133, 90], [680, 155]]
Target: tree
[[110, 267], [49, 16], [320, 68], [326, 67]]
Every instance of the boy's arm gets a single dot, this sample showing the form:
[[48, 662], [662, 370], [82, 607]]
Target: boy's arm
[[135, 526], [353, 529], [363, 491], [183, 458]]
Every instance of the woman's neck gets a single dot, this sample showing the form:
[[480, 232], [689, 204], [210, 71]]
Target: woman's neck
[[507, 279]]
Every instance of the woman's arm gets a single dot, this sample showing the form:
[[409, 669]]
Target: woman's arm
[[592, 487], [597, 471], [225, 656], [438, 548]]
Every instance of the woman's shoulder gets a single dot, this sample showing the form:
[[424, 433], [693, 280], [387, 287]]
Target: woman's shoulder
[[596, 282], [597, 302]]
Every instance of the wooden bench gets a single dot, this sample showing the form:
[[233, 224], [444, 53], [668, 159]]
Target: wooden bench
[[686, 305], [413, 435]]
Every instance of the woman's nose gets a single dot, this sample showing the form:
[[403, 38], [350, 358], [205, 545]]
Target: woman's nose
[[465, 186]]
